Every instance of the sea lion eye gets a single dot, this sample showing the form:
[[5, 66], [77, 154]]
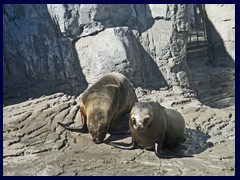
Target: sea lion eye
[[147, 118], [133, 120]]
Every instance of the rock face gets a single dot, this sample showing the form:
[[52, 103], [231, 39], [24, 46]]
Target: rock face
[[221, 34], [34, 49], [89, 19], [124, 44], [74, 42], [33, 46], [166, 43], [112, 49]]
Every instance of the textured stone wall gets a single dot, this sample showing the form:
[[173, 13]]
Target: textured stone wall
[[34, 48], [221, 33], [147, 43], [115, 37], [166, 42]]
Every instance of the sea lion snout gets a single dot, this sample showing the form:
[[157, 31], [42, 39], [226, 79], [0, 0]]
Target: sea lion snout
[[139, 122], [98, 133], [97, 140], [138, 126]]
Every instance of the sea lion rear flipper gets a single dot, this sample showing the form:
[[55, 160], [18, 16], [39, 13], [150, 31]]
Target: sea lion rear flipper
[[133, 145]]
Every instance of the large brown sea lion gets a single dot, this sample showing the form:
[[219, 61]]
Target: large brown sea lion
[[109, 98]]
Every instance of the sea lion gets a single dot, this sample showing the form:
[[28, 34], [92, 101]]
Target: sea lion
[[154, 127], [101, 104]]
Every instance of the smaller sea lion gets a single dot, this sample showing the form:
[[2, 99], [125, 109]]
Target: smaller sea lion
[[154, 127], [101, 104]]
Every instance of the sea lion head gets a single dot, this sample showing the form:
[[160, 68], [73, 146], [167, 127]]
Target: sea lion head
[[98, 125], [141, 116]]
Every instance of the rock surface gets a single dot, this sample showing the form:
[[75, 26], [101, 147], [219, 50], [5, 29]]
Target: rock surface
[[35, 51], [35, 145], [55, 43], [221, 34], [53, 52]]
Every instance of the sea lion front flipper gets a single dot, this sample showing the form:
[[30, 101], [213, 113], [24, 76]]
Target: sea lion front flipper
[[82, 129], [133, 145], [159, 152], [158, 149]]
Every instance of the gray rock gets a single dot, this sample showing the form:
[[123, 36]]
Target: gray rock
[[35, 51], [46, 45], [79, 20], [66, 16], [34, 144], [117, 49], [221, 34], [166, 42]]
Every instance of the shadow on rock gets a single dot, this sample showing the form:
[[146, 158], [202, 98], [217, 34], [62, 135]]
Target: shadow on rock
[[195, 143], [120, 130]]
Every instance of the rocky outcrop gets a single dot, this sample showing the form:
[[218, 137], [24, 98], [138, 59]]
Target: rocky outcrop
[[166, 43], [72, 42], [122, 44], [35, 50], [76, 43], [114, 49], [80, 20]]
